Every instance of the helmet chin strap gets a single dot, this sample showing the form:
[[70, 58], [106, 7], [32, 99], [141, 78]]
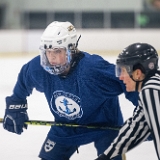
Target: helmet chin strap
[[137, 82]]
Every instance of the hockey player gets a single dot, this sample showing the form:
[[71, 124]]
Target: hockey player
[[80, 89], [137, 66]]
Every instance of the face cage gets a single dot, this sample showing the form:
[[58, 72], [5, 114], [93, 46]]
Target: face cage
[[119, 71], [57, 69]]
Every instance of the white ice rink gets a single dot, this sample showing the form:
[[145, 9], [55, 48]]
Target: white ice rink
[[28, 145]]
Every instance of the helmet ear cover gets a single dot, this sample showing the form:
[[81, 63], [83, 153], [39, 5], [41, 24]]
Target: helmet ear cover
[[72, 48], [139, 66]]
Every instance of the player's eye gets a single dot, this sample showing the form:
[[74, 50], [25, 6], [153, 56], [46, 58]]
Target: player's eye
[[57, 50]]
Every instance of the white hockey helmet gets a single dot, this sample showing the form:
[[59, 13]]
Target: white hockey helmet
[[57, 35]]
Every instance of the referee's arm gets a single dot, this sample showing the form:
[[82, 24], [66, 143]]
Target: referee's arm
[[134, 131]]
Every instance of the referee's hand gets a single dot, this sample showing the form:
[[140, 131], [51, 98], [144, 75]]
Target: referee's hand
[[102, 157]]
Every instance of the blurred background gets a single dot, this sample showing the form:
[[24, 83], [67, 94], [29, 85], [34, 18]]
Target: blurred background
[[106, 26]]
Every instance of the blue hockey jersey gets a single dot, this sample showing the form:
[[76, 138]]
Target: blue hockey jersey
[[87, 96]]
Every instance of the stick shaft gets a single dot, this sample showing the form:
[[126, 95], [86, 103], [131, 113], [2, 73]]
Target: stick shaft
[[52, 123]]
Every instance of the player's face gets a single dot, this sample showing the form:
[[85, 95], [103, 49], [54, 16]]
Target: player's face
[[56, 56], [129, 83]]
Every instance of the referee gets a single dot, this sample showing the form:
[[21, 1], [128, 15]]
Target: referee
[[137, 67]]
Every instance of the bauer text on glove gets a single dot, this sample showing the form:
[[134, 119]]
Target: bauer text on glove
[[15, 115]]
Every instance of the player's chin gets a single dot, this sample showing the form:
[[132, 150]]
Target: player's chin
[[129, 89]]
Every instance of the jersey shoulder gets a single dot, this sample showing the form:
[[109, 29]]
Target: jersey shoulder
[[153, 82], [95, 65]]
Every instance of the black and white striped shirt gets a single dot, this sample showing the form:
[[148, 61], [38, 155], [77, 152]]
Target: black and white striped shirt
[[145, 121]]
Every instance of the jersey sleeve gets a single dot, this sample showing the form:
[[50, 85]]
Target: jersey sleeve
[[134, 131], [101, 74], [30, 76], [24, 85]]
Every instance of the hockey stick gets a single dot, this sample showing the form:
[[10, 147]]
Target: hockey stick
[[52, 123]]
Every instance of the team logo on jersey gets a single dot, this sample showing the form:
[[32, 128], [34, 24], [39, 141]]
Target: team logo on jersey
[[66, 105], [49, 145]]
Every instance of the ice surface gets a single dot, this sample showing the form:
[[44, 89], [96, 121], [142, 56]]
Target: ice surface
[[28, 145]]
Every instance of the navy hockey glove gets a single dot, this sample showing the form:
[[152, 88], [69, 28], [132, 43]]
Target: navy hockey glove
[[15, 115], [102, 157]]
